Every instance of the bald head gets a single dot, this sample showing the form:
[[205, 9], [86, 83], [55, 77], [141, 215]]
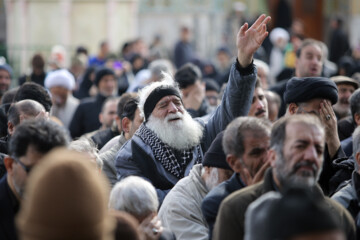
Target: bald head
[[22, 110]]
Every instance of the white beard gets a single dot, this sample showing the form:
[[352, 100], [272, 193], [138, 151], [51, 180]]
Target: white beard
[[181, 134]]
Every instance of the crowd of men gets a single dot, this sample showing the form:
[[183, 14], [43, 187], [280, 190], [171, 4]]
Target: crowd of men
[[141, 149]]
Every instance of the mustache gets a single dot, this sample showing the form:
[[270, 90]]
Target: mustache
[[344, 101], [261, 111], [301, 164], [172, 116]]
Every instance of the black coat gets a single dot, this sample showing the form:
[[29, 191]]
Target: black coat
[[86, 116], [211, 203], [7, 211]]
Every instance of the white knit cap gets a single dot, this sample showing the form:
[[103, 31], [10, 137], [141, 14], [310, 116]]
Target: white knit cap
[[60, 78], [277, 33]]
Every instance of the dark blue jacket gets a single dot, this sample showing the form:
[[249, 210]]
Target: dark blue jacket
[[7, 211], [211, 203]]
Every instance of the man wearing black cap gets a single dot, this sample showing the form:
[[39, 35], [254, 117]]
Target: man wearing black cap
[[309, 63], [316, 95], [170, 142], [180, 211], [296, 155], [86, 116], [246, 142]]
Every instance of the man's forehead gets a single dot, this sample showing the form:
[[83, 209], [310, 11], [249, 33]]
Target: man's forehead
[[3, 71], [299, 129], [168, 98]]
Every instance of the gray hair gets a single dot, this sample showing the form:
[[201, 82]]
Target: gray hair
[[84, 145], [278, 132], [355, 102], [134, 195], [234, 135]]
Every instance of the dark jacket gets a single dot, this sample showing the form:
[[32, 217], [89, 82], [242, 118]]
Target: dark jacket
[[102, 137], [230, 222], [136, 157], [8, 208], [211, 203], [202, 111], [343, 170], [346, 127], [86, 116], [349, 197]]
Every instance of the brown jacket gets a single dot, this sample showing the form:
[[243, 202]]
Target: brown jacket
[[230, 222]]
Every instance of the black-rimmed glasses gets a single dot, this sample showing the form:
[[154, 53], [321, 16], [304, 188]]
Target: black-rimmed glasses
[[26, 168]]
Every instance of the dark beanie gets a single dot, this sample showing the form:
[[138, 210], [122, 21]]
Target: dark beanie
[[300, 90], [156, 95], [101, 73], [215, 156]]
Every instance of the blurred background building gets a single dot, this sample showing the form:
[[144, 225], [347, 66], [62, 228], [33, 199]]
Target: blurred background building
[[29, 26]]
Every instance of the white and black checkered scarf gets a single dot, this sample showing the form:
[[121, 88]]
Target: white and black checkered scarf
[[166, 155]]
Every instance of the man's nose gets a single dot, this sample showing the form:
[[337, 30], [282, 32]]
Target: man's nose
[[311, 153], [172, 108]]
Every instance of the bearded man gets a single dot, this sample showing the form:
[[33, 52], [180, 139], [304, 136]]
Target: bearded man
[[296, 155], [170, 142]]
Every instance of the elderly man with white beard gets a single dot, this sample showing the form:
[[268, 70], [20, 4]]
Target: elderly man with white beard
[[170, 142]]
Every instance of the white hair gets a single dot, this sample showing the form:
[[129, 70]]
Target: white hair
[[261, 64], [84, 145], [167, 80], [134, 195], [213, 179], [182, 134]]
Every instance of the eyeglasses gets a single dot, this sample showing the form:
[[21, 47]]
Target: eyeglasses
[[26, 168]]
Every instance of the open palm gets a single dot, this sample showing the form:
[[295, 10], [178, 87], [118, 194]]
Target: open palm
[[250, 39]]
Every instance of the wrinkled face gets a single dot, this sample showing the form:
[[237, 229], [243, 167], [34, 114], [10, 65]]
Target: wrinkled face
[[107, 85], [259, 106], [302, 155], [135, 124], [168, 105], [109, 114], [255, 153], [344, 93], [310, 107], [59, 95], [310, 62], [5, 80], [18, 174]]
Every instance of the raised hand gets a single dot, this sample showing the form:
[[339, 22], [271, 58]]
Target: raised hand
[[248, 40]]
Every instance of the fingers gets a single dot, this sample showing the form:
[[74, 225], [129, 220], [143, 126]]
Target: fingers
[[243, 29], [259, 21], [245, 176]]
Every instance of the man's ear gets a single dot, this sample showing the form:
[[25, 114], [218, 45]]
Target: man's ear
[[100, 118], [357, 158], [271, 157], [233, 162], [292, 108], [8, 162], [11, 128], [357, 119], [125, 125]]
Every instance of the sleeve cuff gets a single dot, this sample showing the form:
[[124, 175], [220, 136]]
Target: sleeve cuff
[[247, 70]]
